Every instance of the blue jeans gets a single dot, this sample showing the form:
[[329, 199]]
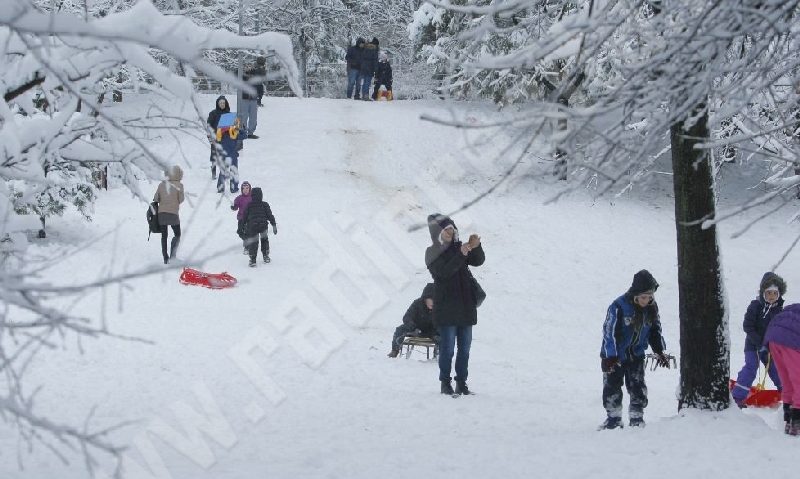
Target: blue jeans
[[248, 116], [447, 342], [352, 82], [749, 372], [367, 81]]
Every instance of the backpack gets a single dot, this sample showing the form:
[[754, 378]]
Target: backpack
[[152, 219]]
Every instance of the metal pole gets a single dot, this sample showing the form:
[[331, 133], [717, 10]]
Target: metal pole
[[240, 60]]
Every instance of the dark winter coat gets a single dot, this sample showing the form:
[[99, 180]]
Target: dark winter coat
[[760, 313], [254, 72], [628, 328], [454, 302], [353, 56], [258, 215], [785, 328], [418, 316], [213, 116], [369, 59], [383, 74]]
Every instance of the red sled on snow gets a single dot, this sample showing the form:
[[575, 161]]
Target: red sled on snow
[[760, 397], [207, 280]]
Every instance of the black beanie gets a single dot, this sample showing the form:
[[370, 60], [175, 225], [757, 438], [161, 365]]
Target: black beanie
[[643, 281]]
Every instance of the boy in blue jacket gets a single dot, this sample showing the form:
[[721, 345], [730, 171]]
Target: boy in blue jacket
[[632, 322]]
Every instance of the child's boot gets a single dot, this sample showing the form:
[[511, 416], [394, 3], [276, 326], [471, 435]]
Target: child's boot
[[611, 423], [787, 417], [794, 423]]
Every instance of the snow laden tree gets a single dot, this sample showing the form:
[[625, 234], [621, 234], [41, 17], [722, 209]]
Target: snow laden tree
[[57, 59], [453, 36], [685, 78]]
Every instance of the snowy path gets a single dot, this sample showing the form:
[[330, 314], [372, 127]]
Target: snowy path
[[291, 365]]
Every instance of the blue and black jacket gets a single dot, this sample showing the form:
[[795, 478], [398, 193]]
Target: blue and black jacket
[[629, 328]]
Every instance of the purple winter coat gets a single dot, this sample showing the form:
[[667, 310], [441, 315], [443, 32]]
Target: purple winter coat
[[241, 202], [784, 329]]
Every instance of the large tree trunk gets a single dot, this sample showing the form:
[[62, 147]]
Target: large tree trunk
[[705, 357]]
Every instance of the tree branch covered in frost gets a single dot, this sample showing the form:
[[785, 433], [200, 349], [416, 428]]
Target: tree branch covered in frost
[[56, 129], [647, 66]]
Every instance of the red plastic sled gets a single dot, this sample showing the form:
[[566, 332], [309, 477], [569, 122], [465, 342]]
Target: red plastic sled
[[760, 397], [207, 280]]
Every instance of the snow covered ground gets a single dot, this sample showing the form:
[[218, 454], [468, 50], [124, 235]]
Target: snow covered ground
[[287, 376]]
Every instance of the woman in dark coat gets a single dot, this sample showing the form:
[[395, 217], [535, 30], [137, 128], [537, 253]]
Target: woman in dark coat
[[454, 300]]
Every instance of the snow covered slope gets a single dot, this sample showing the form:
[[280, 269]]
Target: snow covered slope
[[287, 376]]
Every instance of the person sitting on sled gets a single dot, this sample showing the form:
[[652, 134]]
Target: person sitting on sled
[[418, 321], [767, 304], [383, 77], [783, 339], [632, 321]]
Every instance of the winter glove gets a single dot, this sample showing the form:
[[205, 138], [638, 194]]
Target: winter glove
[[608, 365], [274, 229], [233, 207], [763, 354], [662, 360]]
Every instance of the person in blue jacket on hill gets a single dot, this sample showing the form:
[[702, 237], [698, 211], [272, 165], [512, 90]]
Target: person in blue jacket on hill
[[766, 306], [632, 321]]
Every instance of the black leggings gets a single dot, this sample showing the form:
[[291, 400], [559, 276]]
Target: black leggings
[[174, 245]]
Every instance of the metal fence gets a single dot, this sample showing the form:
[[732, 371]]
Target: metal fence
[[329, 80]]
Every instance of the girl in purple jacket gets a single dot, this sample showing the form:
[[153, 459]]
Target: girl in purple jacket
[[240, 206], [783, 339]]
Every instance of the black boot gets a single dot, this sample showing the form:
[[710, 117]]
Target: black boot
[[461, 388], [787, 417], [173, 247], [447, 388], [794, 423]]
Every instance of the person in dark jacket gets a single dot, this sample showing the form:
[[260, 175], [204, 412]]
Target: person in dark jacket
[[767, 304], [257, 219], [353, 59], [383, 77], [369, 62], [248, 110], [221, 106], [418, 321], [783, 339], [454, 302], [632, 321]]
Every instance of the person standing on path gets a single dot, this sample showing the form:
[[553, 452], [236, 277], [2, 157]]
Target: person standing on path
[[248, 110], [169, 196], [353, 59], [454, 302], [369, 62]]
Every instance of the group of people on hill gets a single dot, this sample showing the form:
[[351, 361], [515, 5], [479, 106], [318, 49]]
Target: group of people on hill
[[446, 311], [632, 323], [448, 308], [366, 61], [229, 139], [253, 213]]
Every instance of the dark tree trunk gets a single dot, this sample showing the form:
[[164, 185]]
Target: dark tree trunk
[[705, 358]]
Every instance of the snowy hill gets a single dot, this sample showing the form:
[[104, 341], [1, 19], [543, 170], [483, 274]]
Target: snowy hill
[[286, 375]]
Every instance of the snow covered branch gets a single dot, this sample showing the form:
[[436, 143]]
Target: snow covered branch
[[58, 69]]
